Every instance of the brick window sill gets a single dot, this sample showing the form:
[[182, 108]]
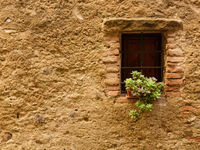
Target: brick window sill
[[123, 99]]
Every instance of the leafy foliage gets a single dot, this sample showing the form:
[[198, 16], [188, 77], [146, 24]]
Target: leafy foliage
[[134, 114], [146, 89]]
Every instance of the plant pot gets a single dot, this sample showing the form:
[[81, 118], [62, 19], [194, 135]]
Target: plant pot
[[129, 95]]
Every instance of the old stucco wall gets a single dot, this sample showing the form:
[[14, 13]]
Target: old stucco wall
[[51, 72]]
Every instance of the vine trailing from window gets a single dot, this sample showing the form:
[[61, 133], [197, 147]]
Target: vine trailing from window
[[145, 89]]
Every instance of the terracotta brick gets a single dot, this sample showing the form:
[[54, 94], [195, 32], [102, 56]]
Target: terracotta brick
[[113, 93], [110, 59], [118, 61], [114, 38], [197, 139], [111, 53], [173, 82], [172, 64], [171, 34], [116, 45], [188, 108], [113, 88], [112, 81], [170, 40], [173, 94], [175, 59], [172, 88], [174, 75], [174, 69], [170, 46], [115, 52], [185, 113], [112, 69], [112, 75], [175, 52]]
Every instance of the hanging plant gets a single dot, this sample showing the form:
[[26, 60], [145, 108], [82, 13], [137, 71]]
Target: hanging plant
[[145, 89]]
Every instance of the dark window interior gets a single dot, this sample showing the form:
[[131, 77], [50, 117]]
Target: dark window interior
[[141, 52]]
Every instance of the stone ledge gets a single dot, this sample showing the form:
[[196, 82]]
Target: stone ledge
[[134, 24]]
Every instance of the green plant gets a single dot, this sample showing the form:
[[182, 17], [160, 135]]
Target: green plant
[[146, 89]]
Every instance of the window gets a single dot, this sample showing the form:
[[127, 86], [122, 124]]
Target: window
[[141, 52]]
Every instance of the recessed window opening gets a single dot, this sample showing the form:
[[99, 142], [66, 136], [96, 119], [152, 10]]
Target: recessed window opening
[[141, 52]]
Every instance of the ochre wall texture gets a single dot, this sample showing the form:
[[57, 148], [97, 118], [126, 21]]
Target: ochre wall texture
[[52, 78]]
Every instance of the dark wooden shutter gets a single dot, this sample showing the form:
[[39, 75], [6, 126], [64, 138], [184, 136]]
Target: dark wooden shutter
[[141, 52]]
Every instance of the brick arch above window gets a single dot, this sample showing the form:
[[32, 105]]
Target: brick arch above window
[[173, 56]]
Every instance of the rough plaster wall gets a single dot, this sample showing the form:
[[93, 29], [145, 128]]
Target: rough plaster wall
[[51, 72]]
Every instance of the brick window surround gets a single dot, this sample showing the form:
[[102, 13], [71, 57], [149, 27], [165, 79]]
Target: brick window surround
[[173, 56]]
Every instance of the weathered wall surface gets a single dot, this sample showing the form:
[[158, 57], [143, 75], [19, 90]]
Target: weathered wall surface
[[51, 72]]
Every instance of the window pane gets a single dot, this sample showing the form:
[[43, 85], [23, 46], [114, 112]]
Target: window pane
[[151, 59], [126, 73], [153, 72], [131, 60], [131, 43], [152, 43]]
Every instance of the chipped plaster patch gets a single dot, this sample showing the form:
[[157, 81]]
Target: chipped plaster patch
[[10, 31], [77, 13]]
